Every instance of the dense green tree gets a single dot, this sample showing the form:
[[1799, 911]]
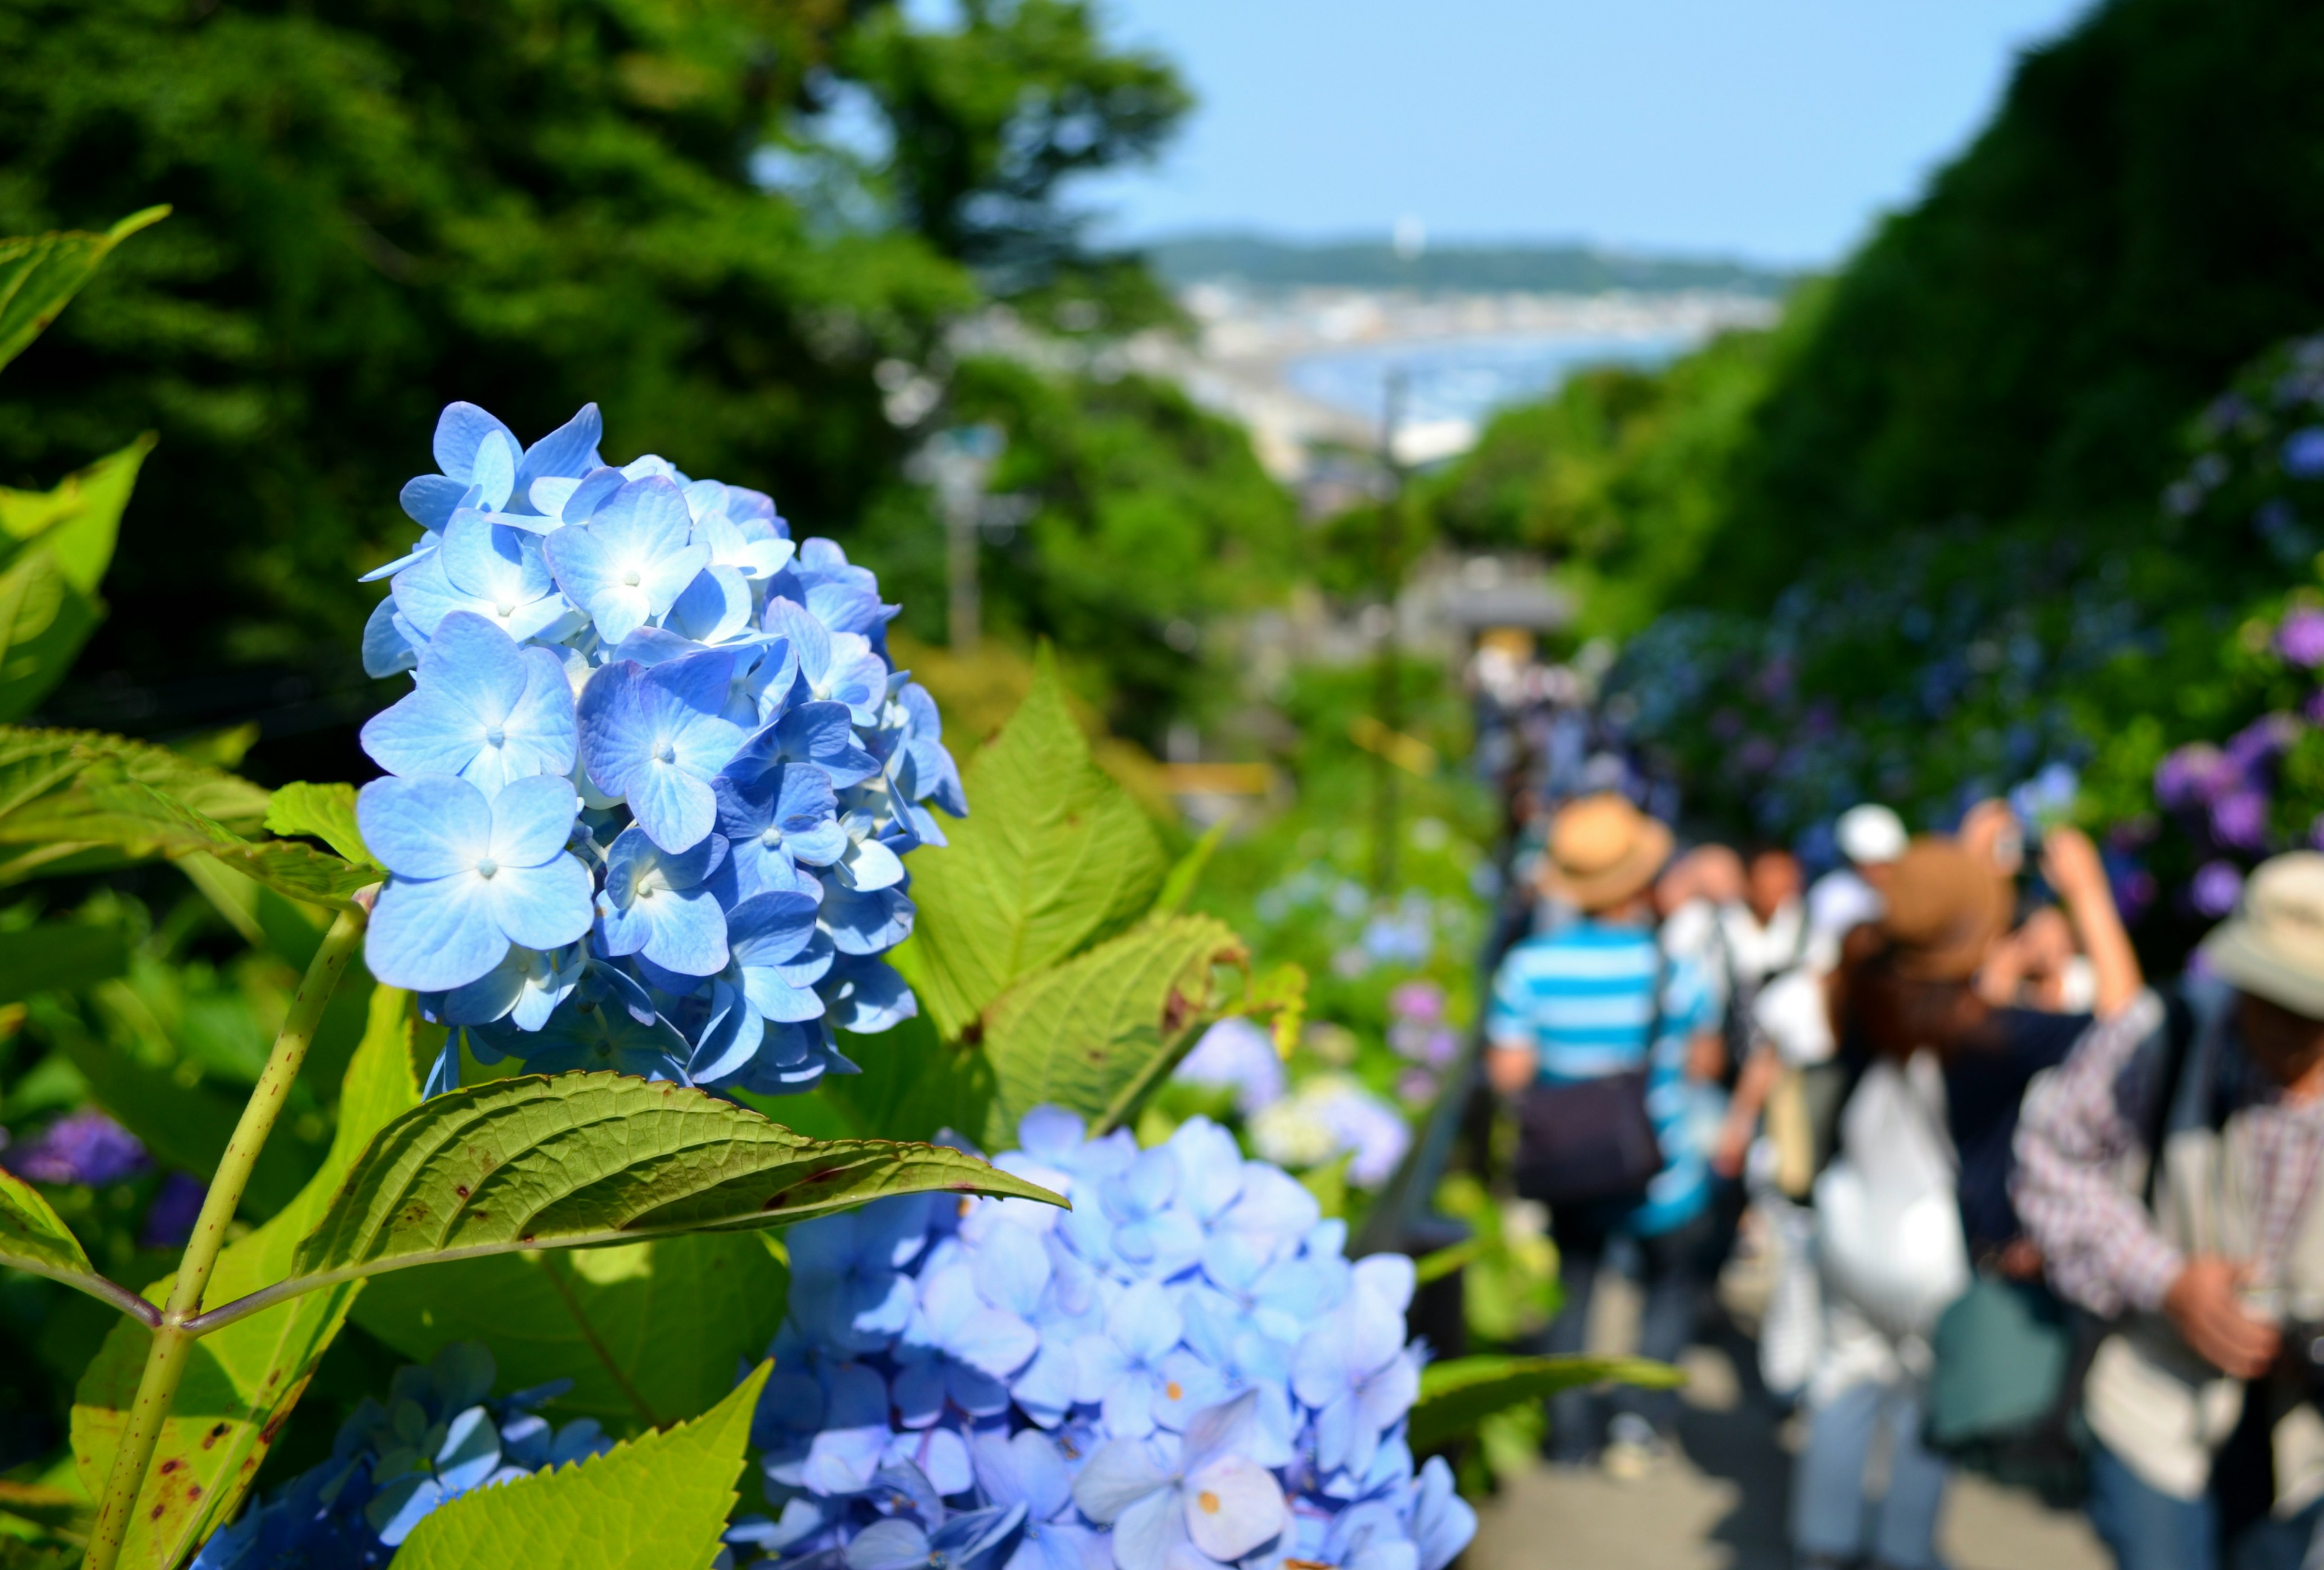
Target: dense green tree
[[383, 205], [1621, 476], [2143, 215]]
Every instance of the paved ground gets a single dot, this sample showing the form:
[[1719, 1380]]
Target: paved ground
[[1720, 1505]]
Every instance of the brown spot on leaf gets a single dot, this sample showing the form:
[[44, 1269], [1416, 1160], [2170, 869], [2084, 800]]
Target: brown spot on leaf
[[480, 1215], [972, 1033], [172, 1464], [777, 1202], [273, 1426], [526, 1238], [194, 1491], [461, 1189], [155, 1514], [1175, 1011]]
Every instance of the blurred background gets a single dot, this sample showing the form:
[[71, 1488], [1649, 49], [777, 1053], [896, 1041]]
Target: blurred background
[[1799, 403]]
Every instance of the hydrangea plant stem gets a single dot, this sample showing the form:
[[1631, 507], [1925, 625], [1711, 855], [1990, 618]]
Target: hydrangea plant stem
[[165, 1361]]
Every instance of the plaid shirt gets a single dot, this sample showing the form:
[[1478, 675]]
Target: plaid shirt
[[2085, 1128]]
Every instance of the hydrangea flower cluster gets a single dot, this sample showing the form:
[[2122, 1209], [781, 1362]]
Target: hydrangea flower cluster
[[436, 1437], [1184, 1371], [648, 803]]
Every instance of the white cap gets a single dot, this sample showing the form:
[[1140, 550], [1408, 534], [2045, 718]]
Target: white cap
[[1870, 835]]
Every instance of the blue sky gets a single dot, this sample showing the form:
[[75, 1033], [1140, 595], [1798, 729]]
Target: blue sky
[[1771, 129]]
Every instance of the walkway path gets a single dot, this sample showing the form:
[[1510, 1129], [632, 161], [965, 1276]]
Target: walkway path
[[1720, 1506]]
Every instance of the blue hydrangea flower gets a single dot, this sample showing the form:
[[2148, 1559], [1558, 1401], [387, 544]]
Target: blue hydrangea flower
[[629, 563], [734, 691], [439, 1435], [1142, 1411], [469, 876], [656, 736], [483, 710], [783, 818], [656, 903]]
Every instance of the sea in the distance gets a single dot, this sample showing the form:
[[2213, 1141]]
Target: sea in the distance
[[1465, 379]]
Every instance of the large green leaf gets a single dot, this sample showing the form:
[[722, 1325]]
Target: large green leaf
[[1461, 1393], [1095, 1034], [97, 801], [242, 1379], [648, 1332], [326, 812], [1054, 856], [54, 816], [659, 1503], [80, 520], [35, 1238], [40, 274], [44, 622], [573, 1161]]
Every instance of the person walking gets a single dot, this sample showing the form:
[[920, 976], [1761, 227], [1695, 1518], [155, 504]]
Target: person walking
[[1605, 1040], [2168, 1175], [1888, 1233]]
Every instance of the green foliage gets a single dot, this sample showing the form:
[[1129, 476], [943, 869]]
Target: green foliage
[[242, 1380], [58, 545], [1457, 1394], [533, 1162], [380, 209], [325, 812], [59, 957], [2139, 218], [659, 1503], [38, 276], [1113, 470], [1622, 476], [913, 1085], [1053, 857], [1099, 1032], [648, 1332]]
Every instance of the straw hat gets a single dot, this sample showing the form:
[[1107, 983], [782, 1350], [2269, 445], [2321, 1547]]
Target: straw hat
[[1602, 851], [2273, 944], [1944, 911]]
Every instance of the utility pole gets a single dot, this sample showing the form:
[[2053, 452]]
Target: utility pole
[[1385, 699], [958, 462]]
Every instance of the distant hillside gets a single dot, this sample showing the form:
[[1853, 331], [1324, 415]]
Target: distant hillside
[[1263, 263]]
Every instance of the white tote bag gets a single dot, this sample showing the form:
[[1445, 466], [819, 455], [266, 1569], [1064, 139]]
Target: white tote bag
[[1888, 1231]]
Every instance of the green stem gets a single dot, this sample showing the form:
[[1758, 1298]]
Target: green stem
[[165, 1361]]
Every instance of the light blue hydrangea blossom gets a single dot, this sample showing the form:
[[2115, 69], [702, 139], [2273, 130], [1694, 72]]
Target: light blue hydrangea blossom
[[648, 802], [1181, 1373]]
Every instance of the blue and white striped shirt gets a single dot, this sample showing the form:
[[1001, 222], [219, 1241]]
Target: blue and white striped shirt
[[1583, 998]]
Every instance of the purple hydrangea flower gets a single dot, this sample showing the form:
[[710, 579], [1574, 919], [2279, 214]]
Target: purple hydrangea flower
[[85, 1147], [2239, 818], [170, 1219], [2300, 637], [2304, 453], [2216, 888]]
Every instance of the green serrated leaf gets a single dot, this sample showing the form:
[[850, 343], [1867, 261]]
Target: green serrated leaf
[[44, 622], [648, 1332], [573, 1160], [1098, 1032], [1053, 857], [32, 1237], [40, 274], [325, 812], [658, 1503], [55, 815], [80, 520], [138, 819], [242, 1379], [1459, 1393]]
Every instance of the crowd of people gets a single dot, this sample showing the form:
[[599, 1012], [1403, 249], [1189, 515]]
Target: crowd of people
[[2020, 1208]]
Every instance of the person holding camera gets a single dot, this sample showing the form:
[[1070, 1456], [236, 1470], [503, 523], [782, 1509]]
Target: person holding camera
[[2168, 1175]]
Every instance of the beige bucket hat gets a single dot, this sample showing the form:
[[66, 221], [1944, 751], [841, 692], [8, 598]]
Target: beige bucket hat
[[2273, 944]]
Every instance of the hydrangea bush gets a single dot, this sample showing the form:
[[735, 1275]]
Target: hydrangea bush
[[1183, 1370], [437, 1436], [648, 801]]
